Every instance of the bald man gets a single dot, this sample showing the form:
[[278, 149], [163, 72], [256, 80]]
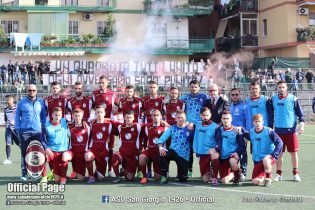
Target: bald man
[[216, 103], [30, 119]]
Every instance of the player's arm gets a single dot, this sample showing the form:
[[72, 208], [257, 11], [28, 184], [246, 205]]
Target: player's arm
[[269, 112], [299, 113], [246, 134], [218, 139], [313, 105], [248, 118], [166, 135], [44, 142], [43, 115], [278, 142], [241, 149], [111, 141], [17, 117]]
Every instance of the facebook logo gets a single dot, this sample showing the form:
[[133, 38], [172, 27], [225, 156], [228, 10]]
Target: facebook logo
[[105, 199]]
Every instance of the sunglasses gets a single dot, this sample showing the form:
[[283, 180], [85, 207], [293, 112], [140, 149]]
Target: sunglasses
[[31, 90], [234, 94]]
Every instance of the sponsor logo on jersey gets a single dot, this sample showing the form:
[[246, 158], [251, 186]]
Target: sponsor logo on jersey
[[99, 135], [80, 138]]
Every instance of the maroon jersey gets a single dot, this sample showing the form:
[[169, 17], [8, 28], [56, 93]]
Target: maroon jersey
[[153, 133], [135, 105], [100, 141], [170, 109], [52, 103], [108, 99], [129, 138], [150, 104], [84, 103], [79, 138]]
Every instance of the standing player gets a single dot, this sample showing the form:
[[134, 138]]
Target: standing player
[[230, 145], [99, 146], [193, 104], [152, 132], [10, 133], [55, 142], [55, 100], [79, 138], [241, 117], [150, 103], [216, 103], [286, 109], [267, 147], [204, 147], [259, 104], [79, 101], [172, 106], [179, 151], [127, 156], [130, 103], [105, 97]]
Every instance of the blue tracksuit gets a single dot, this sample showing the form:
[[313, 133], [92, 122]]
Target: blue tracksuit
[[180, 140], [241, 116], [30, 116], [261, 106], [286, 111], [228, 142], [193, 105], [204, 138], [56, 138], [267, 142]]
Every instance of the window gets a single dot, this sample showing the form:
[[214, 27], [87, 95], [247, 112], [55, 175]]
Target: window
[[265, 27], [312, 19], [10, 26], [102, 2], [249, 27], [159, 29], [101, 26], [12, 2], [74, 28], [41, 2], [69, 2]]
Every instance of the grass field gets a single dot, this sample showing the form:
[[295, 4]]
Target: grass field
[[83, 196]]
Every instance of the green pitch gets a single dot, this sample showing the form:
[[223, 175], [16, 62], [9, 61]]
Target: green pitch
[[282, 195]]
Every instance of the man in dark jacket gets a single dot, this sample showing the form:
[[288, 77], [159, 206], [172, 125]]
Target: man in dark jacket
[[309, 78]]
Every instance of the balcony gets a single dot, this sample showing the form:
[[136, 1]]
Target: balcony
[[305, 2], [180, 46], [59, 45], [15, 7], [178, 7], [235, 7], [232, 43]]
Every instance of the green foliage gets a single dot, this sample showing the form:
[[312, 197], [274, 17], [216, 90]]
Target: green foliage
[[110, 26]]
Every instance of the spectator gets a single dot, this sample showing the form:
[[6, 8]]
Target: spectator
[[29, 68], [299, 76], [281, 76], [22, 68], [313, 105], [19, 85], [309, 79], [1, 84], [288, 78], [16, 72], [30, 119], [10, 72], [4, 73], [41, 70], [33, 73]]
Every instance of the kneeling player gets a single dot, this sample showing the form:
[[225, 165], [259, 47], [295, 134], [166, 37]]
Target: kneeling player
[[266, 148], [152, 132], [55, 142], [100, 145], [181, 135], [127, 156], [204, 146], [230, 145], [79, 138]]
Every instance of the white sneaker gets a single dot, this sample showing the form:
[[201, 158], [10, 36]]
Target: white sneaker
[[242, 177], [7, 162], [111, 173], [297, 178], [278, 178]]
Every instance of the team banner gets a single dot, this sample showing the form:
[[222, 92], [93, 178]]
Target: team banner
[[166, 73], [118, 81]]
